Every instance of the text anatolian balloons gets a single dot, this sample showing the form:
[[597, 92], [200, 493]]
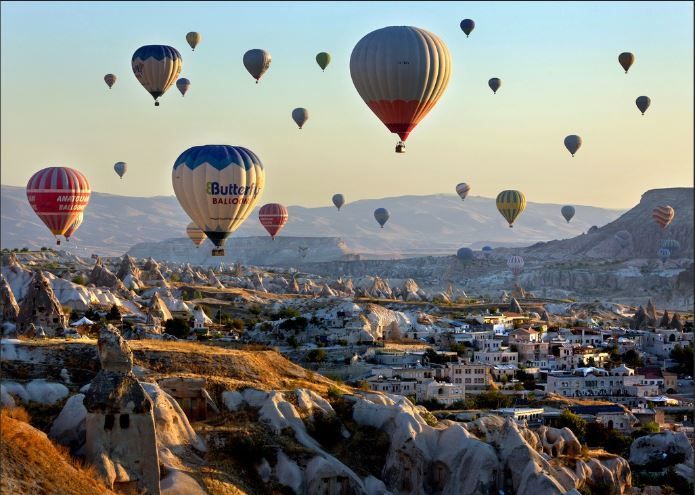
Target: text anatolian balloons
[[494, 84], [626, 60], [110, 80], [573, 143], [182, 85], [567, 212], [257, 62], [643, 103], [401, 73], [510, 204], [462, 190], [300, 116], [467, 26], [382, 216], [121, 168], [218, 186], [193, 39], [273, 217], [338, 200], [58, 195], [195, 234], [157, 67]]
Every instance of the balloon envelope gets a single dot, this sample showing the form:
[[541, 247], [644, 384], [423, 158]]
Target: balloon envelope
[[515, 264], [338, 200], [58, 195], [401, 73], [273, 217], [300, 116], [671, 244], [465, 254], [195, 234], [75, 225], [193, 39], [663, 215], [626, 60], [257, 62], [381, 215], [467, 26], [182, 85], [567, 212], [323, 59], [218, 186], [663, 254], [121, 168], [156, 67], [494, 84], [643, 103], [462, 190], [623, 238], [110, 80], [510, 204], [573, 143]]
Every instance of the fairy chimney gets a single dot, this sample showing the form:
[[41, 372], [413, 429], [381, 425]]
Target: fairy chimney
[[10, 308], [41, 307]]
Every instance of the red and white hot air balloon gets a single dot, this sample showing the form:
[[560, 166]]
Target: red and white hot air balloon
[[58, 195], [273, 217], [71, 230], [663, 215]]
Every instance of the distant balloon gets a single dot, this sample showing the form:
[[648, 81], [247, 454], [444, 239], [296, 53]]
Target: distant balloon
[[183, 84], [323, 59], [75, 225], [467, 26], [486, 251], [510, 204], [273, 217], [663, 215], [58, 195], [567, 212], [624, 238], [465, 254], [110, 80], [338, 200], [462, 190], [193, 39], [573, 143], [156, 67], [382, 216], [300, 116], [643, 103], [626, 60], [663, 254], [218, 186], [121, 168], [515, 264], [494, 84], [671, 244], [257, 62], [195, 234], [395, 73]]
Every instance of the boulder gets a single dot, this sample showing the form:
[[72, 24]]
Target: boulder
[[661, 448]]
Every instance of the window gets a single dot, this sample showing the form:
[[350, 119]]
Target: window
[[108, 422], [124, 421]]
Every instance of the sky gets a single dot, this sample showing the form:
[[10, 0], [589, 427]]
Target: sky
[[557, 61]]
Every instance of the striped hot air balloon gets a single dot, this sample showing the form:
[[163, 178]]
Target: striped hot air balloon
[[58, 195], [663, 215], [515, 264], [157, 67], [218, 186], [400, 72], [75, 225], [510, 204], [663, 254], [195, 234], [671, 244], [462, 190], [273, 217]]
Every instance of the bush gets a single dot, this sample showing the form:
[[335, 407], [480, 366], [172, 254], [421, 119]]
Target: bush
[[178, 327], [79, 280], [316, 356], [287, 313], [325, 428], [572, 421], [237, 323], [492, 399], [334, 393], [114, 314], [684, 357], [298, 323]]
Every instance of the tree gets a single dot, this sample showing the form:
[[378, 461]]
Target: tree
[[178, 327], [684, 357], [316, 356], [572, 421], [90, 314], [79, 280], [292, 340], [114, 314], [632, 359]]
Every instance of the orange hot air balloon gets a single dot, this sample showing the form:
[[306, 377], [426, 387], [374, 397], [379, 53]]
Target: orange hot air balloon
[[195, 234], [75, 225], [273, 217], [663, 215], [58, 195]]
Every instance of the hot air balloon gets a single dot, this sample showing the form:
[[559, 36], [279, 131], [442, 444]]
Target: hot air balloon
[[195, 234], [218, 186], [510, 204], [75, 225], [465, 255], [110, 80], [462, 190], [300, 116], [486, 251], [663, 254], [338, 200], [193, 39], [643, 103], [467, 26], [400, 72], [671, 244], [663, 215], [626, 60], [182, 85], [273, 217], [515, 264], [624, 238], [382, 216], [58, 195], [567, 212], [494, 84], [573, 143], [323, 59], [257, 61], [121, 168], [156, 67]]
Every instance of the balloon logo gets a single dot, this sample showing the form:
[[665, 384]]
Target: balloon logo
[[273, 217], [510, 204]]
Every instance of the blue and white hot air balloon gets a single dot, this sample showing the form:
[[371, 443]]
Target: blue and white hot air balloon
[[486, 251], [663, 254], [157, 67], [218, 187], [382, 216]]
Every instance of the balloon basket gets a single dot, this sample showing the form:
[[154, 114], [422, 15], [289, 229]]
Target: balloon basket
[[218, 252], [400, 147]]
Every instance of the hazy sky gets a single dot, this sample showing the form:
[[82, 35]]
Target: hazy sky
[[558, 63]]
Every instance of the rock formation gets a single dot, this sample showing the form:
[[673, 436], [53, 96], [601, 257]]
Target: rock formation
[[660, 448], [101, 276], [639, 320], [676, 323], [514, 306], [152, 275], [129, 273], [158, 312], [665, 320], [41, 307], [120, 430], [10, 309], [651, 314]]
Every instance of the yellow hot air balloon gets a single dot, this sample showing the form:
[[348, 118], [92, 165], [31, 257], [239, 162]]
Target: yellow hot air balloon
[[193, 39], [510, 204]]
